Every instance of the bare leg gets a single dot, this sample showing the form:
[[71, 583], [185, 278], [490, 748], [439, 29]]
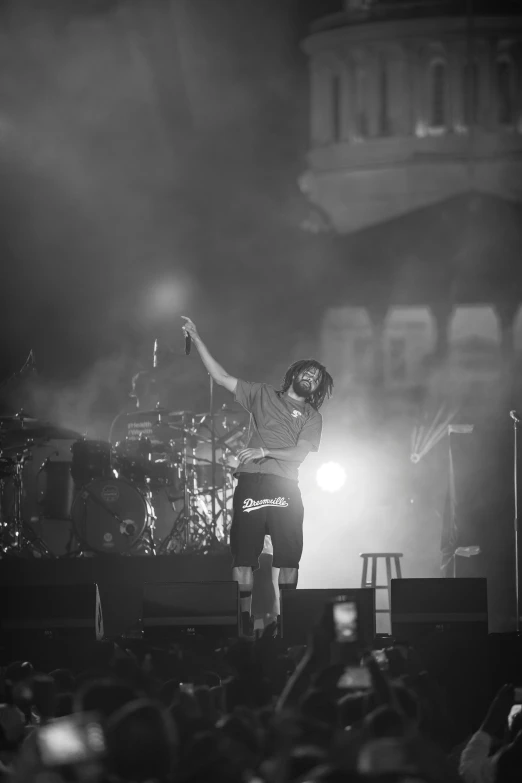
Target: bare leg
[[282, 576], [288, 576], [245, 578], [275, 582]]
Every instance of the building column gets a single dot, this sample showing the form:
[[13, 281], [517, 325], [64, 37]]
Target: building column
[[377, 314], [350, 99], [454, 98], [373, 87], [442, 312], [402, 92], [506, 313]]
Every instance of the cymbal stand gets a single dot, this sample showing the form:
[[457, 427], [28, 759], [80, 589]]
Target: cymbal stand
[[3, 518], [213, 447], [202, 527], [183, 535], [228, 491], [180, 530], [22, 534]]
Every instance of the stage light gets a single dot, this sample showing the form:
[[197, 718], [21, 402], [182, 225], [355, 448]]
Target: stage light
[[331, 477], [165, 299]]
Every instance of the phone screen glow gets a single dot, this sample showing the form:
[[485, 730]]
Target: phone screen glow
[[345, 621]]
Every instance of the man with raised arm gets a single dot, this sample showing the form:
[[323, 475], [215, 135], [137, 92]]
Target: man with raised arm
[[285, 425]]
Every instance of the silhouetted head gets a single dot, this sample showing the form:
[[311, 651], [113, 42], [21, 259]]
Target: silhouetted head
[[144, 390]]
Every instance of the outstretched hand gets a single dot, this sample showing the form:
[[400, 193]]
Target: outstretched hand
[[189, 327]]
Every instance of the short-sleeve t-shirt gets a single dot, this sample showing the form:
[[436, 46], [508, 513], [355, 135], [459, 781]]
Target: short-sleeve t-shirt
[[277, 422]]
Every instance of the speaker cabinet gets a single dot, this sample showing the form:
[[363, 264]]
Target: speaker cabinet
[[446, 622], [180, 609], [49, 622], [51, 607], [419, 606], [301, 610]]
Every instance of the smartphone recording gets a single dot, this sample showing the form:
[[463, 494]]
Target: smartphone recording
[[345, 621], [75, 739], [381, 658], [515, 710], [355, 678]]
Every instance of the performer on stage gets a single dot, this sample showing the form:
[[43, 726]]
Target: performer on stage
[[285, 425]]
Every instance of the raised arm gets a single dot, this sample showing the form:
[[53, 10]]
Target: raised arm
[[213, 368]]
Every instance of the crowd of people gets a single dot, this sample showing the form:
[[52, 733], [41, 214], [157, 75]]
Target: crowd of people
[[244, 711]]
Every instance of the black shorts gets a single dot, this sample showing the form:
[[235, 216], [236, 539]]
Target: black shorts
[[265, 504]]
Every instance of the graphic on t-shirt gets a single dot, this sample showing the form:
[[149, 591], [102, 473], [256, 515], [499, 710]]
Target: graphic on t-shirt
[[249, 504], [295, 413]]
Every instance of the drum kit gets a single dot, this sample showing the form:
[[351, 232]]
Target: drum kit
[[164, 491]]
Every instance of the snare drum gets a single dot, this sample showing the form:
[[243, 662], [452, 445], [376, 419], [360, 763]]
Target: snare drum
[[90, 459], [110, 515]]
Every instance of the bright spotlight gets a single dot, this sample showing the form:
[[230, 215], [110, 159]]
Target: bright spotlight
[[331, 476], [165, 299]]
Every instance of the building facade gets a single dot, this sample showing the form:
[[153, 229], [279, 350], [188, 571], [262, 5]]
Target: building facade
[[415, 172], [412, 106]]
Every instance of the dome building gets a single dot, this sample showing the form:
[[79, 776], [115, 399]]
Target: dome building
[[413, 102], [415, 172]]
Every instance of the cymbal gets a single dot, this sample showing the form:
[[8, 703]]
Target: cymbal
[[16, 423], [19, 416], [39, 431], [223, 412], [155, 412]]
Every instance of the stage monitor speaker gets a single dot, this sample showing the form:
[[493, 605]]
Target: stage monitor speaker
[[54, 625], [419, 606], [446, 622], [301, 610], [51, 608], [181, 609]]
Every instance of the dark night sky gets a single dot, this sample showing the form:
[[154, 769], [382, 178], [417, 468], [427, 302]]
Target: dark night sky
[[144, 142]]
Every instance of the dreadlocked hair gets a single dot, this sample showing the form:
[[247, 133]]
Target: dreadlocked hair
[[323, 391]]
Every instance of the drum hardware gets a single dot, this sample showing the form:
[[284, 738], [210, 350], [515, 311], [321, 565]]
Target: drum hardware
[[185, 464], [90, 459], [16, 429], [17, 537], [203, 523], [111, 516]]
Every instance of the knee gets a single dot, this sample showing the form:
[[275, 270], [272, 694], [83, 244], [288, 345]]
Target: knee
[[288, 578], [243, 574]]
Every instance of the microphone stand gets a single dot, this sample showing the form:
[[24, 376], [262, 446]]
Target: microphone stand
[[518, 533]]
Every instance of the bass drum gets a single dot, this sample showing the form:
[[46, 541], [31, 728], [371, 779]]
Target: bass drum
[[110, 516]]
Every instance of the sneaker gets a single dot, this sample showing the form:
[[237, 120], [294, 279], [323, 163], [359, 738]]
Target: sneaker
[[247, 625]]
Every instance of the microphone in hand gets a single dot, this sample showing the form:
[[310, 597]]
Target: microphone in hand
[[190, 332]]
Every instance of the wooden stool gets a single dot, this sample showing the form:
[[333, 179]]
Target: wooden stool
[[388, 557]]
